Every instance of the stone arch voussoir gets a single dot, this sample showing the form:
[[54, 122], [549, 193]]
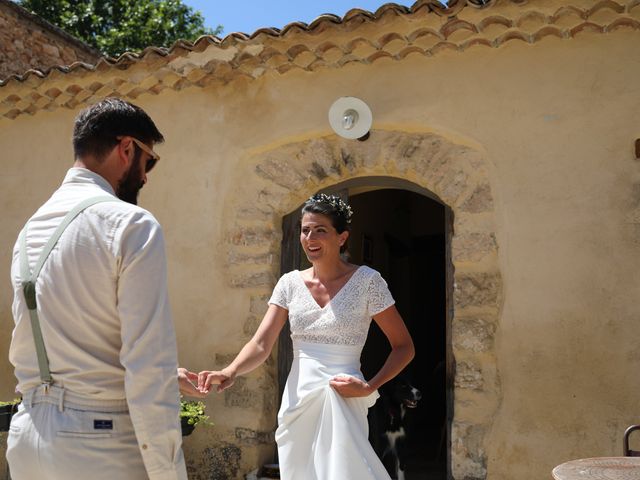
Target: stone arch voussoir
[[455, 174]]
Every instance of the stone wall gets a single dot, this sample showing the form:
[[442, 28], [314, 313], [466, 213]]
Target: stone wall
[[28, 42]]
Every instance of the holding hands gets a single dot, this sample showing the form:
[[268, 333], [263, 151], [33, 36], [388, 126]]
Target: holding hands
[[223, 378], [199, 385]]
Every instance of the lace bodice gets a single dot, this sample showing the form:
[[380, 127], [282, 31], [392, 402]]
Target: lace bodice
[[345, 319]]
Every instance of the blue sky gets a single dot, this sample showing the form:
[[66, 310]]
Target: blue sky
[[249, 15]]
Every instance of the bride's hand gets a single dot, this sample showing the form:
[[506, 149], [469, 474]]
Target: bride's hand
[[350, 386], [223, 378]]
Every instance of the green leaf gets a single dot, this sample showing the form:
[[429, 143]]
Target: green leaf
[[194, 411]]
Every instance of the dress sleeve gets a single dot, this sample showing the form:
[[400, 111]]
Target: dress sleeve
[[379, 296], [280, 295]]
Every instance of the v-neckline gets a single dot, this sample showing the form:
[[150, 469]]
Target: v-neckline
[[331, 299]]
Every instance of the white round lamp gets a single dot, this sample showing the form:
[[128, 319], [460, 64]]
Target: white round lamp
[[350, 117]]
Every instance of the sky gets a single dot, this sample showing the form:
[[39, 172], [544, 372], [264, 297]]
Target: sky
[[247, 16]]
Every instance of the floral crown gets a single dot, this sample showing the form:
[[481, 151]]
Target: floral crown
[[336, 202]]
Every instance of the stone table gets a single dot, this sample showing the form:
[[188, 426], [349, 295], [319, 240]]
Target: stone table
[[600, 468]]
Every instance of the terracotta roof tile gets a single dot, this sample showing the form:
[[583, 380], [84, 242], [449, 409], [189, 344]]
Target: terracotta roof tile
[[393, 32]]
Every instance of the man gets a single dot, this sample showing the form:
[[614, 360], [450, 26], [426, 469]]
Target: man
[[100, 390]]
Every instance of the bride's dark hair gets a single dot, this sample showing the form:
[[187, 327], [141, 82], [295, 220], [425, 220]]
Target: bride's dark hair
[[338, 211]]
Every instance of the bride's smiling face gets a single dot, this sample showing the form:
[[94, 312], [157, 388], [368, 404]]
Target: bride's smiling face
[[319, 238]]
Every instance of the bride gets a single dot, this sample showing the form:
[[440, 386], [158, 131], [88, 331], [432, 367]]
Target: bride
[[322, 424]]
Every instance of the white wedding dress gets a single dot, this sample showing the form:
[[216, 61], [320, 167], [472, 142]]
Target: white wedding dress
[[321, 435]]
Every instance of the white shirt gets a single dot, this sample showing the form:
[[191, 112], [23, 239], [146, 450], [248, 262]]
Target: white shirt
[[104, 314]]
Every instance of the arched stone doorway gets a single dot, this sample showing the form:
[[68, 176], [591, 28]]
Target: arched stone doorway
[[457, 176]]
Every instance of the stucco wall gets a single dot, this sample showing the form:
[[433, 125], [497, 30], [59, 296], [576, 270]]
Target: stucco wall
[[555, 123]]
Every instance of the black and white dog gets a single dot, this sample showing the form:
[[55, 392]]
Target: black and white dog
[[387, 424]]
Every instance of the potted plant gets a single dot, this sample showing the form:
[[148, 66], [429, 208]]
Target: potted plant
[[192, 414], [7, 409]]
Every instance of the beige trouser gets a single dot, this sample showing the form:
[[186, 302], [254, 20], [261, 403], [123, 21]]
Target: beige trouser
[[61, 436]]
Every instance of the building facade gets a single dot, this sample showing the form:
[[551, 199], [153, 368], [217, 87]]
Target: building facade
[[497, 192]]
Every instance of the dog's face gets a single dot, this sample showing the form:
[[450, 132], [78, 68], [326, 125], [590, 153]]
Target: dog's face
[[406, 394]]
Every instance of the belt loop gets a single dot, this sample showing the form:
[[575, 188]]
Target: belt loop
[[61, 400]]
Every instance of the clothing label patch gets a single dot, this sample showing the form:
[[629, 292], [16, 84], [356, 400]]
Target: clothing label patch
[[103, 424]]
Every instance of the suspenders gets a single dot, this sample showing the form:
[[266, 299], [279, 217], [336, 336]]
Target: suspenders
[[28, 279]]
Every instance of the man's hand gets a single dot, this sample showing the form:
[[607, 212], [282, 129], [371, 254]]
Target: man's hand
[[186, 383], [223, 378]]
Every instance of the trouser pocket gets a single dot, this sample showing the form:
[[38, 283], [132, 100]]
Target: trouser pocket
[[93, 425]]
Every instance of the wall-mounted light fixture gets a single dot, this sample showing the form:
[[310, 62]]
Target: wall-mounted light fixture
[[350, 117]]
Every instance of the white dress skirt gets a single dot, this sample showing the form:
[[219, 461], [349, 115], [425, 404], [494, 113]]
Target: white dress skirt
[[321, 435]]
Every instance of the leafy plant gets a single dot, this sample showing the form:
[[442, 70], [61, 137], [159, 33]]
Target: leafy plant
[[7, 409], [118, 26], [15, 401], [193, 411]]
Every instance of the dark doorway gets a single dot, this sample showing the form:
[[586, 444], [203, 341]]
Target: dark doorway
[[403, 235]]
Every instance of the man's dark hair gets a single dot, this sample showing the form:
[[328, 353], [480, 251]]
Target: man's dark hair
[[98, 127]]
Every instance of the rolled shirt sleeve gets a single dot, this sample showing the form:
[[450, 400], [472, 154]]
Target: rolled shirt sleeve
[[149, 352]]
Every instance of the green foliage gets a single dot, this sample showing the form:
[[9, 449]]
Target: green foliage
[[15, 401], [194, 412], [118, 26]]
